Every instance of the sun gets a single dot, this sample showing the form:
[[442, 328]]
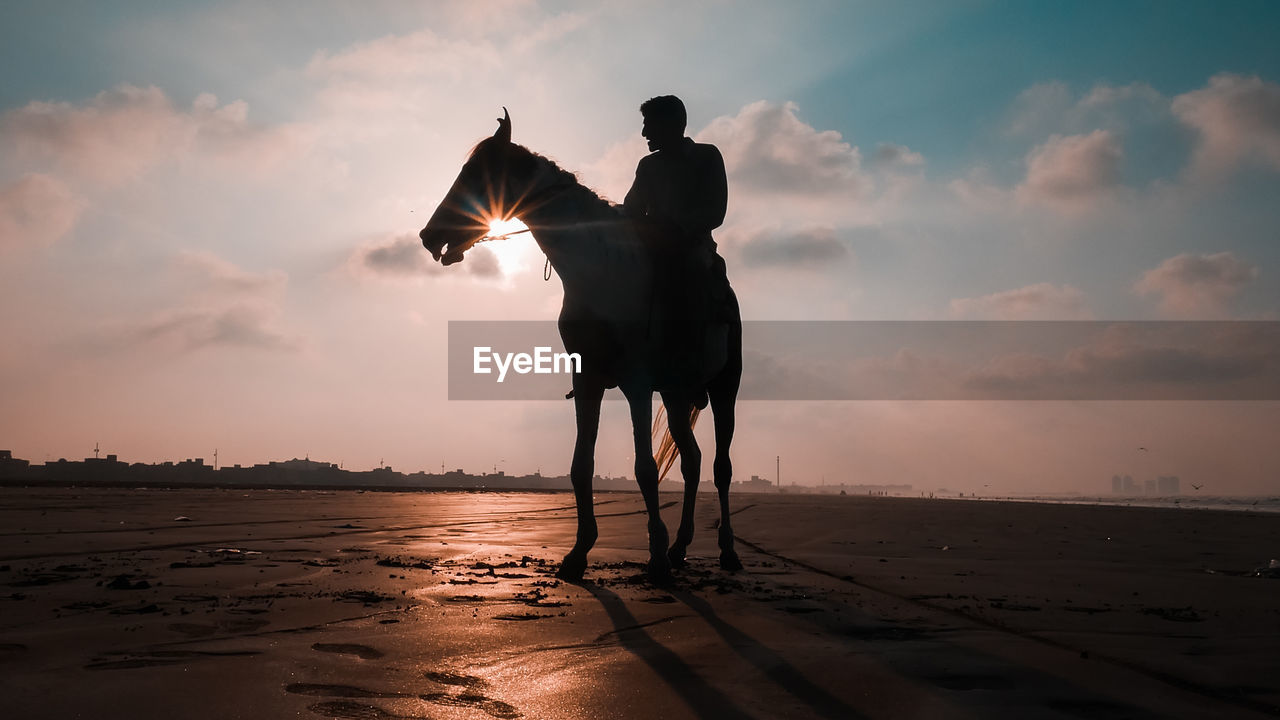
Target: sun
[[511, 244], [498, 227]]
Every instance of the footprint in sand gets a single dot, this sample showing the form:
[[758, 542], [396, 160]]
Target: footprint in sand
[[165, 657], [364, 652], [495, 708], [341, 691], [356, 711], [448, 678]]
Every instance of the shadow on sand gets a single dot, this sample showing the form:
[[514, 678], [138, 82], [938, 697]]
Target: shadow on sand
[[703, 699]]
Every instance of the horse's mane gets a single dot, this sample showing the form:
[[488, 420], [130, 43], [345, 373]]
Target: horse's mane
[[525, 159]]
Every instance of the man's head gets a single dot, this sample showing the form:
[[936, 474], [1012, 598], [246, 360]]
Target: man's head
[[664, 121]]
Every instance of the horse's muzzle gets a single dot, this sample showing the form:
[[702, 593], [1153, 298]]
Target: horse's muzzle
[[434, 247]]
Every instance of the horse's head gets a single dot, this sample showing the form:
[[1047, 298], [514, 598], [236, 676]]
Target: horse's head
[[479, 195]]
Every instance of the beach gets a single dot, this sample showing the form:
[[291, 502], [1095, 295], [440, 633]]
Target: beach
[[207, 603]]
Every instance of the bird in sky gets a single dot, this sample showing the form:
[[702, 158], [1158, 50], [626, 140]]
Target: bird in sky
[[1196, 487]]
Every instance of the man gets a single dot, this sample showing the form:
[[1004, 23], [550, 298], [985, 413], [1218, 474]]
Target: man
[[681, 189], [681, 182]]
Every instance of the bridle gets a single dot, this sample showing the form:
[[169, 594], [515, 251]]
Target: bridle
[[527, 202]]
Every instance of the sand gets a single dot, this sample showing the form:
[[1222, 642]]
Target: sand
[[311, 604]]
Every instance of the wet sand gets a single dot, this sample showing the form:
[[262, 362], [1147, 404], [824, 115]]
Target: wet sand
[[444, 605]]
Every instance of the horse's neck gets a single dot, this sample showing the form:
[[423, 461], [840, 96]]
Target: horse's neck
[[594, 251]]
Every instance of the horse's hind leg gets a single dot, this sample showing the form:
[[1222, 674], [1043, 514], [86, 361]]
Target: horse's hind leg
[[723, 392], [690, 468], [723, 473], [641, 403], [587, 399]]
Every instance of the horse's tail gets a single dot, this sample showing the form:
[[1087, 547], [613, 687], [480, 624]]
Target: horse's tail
[[666, 451]]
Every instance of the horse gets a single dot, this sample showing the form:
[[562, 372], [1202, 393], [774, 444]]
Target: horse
[[608, 316]]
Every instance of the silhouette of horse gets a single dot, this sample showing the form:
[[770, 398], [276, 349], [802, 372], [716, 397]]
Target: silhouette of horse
[[609, 318]]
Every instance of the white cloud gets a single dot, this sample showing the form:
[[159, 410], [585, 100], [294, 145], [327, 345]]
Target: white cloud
[[1238, 119], [613, 172], [767, 148], [1042, 301], [122, 133], [1197, 286], [36, 210], [1072, 172]]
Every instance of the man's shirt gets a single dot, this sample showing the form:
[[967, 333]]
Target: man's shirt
[[685, 184]]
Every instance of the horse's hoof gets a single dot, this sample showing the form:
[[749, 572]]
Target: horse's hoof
[[729, 561], [572, 569], [659, 573], [677, 557]]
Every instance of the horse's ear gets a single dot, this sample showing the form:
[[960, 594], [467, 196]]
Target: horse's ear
[[503, 133]]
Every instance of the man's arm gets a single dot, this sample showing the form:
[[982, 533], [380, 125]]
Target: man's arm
[[637, 203], [708, 212]]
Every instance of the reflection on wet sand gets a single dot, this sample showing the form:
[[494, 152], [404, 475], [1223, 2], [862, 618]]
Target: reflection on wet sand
[[445, 605]]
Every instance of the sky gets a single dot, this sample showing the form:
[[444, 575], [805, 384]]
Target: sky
[[208, 218]]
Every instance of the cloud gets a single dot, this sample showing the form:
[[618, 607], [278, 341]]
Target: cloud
[[412, 56], [614, 171], [241, 325], [36, 210], [811, 247], [122, 133], [1238, 119], [1072, 172], [1144, 360], [767, 148], [1053, 108], [483, 43], [890, 155], [1042, 301], [403, 257], [946, 360], [214, 275], [221, 304], [1197, 286]]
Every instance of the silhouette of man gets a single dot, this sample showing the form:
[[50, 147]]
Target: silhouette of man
[[681, 189]]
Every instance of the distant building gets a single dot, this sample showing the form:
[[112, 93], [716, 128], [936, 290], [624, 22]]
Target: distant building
[[756, 484], [1117, 485], [10, 466], [1168, 485]]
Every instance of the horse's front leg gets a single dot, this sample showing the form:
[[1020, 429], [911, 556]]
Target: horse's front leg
[[680, 425], [587, 397], [641, 402]]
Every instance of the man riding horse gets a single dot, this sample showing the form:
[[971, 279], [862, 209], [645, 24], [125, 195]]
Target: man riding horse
[[611, 313], [681, 191]]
